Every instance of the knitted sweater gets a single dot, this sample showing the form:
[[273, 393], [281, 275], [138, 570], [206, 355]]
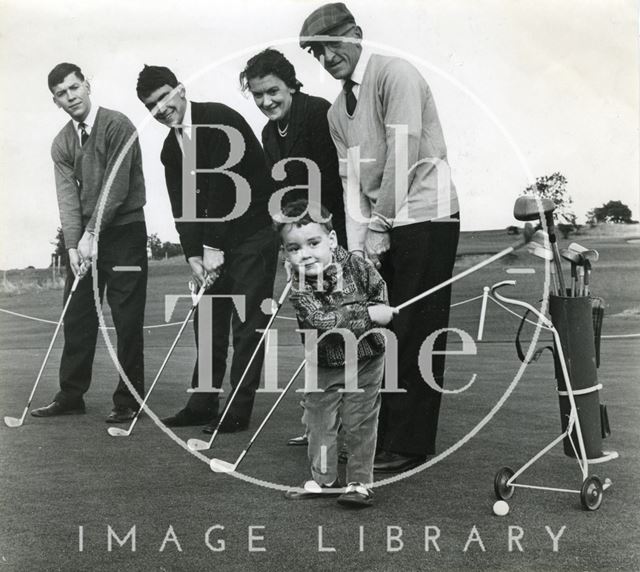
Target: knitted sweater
[[395, 125], [106, 170], [341, 302]]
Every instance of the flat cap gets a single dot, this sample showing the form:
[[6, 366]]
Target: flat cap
[[323, 20]]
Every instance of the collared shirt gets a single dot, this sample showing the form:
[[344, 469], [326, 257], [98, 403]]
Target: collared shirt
[[358, 73], [89, 121], [185, 126], [184, 130]]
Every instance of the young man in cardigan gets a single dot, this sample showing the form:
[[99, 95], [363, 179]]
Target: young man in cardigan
[[400, 182], [101, 194]]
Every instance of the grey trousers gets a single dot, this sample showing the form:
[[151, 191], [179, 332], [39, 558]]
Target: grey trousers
[[358, 412]]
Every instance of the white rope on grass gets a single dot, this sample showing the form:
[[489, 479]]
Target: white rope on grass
[[155, 326], [35, 319]]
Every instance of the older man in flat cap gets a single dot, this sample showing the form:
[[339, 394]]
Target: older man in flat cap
[[386, 129]]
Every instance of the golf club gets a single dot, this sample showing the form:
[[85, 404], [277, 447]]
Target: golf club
[[117, 431], [528, 235], [527, 208], [587, 277], [15, 421], [220, 466], [587, 255], [580, 271], [575, 259], [539, 247], [200, 444]]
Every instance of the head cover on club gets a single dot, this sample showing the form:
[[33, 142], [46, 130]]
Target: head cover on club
[[12, 422], [197, 444], [589, 254], [529, 207], [220, 466]]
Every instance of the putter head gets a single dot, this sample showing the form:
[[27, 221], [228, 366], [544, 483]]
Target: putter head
[[590, 254], [118, 432], [220, 466], [197, 445], [528, 207], [12, 421]]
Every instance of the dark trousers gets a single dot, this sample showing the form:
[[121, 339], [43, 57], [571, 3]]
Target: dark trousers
[[422, 255], [249, 271], [124, 245]]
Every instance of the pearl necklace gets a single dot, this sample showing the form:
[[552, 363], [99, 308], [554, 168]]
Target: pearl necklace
[[282, 132]]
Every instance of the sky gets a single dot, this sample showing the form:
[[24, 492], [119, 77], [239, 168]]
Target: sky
[[524, 88]]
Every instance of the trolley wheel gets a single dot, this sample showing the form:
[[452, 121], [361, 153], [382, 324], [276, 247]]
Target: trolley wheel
[[502, 489], [591, 493]]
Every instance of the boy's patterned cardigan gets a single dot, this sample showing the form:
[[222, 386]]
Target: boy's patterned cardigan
[[350, 284]]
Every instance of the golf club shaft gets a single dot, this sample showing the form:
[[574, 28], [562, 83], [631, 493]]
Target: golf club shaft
[[283, 296], [166, 359], [554, 278], [556, 252], [76, 281], [270, 412], [587, 276], [457, 277]]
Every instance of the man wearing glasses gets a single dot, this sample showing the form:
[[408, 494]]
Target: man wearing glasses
[[393, 163]]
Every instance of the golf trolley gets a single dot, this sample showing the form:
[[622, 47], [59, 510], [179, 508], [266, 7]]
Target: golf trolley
[[584, 420]]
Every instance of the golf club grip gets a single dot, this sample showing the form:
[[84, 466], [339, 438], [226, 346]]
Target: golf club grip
[[556, 261], [285, 293]]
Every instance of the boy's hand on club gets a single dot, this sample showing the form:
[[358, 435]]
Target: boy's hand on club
[[380, 314]]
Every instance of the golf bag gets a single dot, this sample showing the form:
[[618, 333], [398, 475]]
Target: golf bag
[[578, 321], [574, 319]]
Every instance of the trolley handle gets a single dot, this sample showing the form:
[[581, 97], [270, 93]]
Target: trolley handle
[[494, 291]]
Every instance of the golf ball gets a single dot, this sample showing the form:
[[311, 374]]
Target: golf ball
[[500, 508]]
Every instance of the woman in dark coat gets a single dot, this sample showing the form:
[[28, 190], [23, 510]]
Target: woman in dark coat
[[297, 128]]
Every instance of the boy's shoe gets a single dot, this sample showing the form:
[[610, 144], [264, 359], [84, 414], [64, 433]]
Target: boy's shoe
[[314, 490], [301, 440], [356, 496]]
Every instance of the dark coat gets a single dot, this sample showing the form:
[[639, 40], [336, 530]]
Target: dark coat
[[308, 137], [216, 193]]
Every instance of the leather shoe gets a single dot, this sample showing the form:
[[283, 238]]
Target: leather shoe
[[120, 415], [56, 408], [356, 496], [229, 425], [186, 418], [388, 462]]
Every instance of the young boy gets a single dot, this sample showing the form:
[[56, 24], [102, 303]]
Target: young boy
[[335, 289]]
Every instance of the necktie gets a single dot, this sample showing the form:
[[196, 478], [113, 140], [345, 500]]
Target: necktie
[[350, 96], [83, 133]]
